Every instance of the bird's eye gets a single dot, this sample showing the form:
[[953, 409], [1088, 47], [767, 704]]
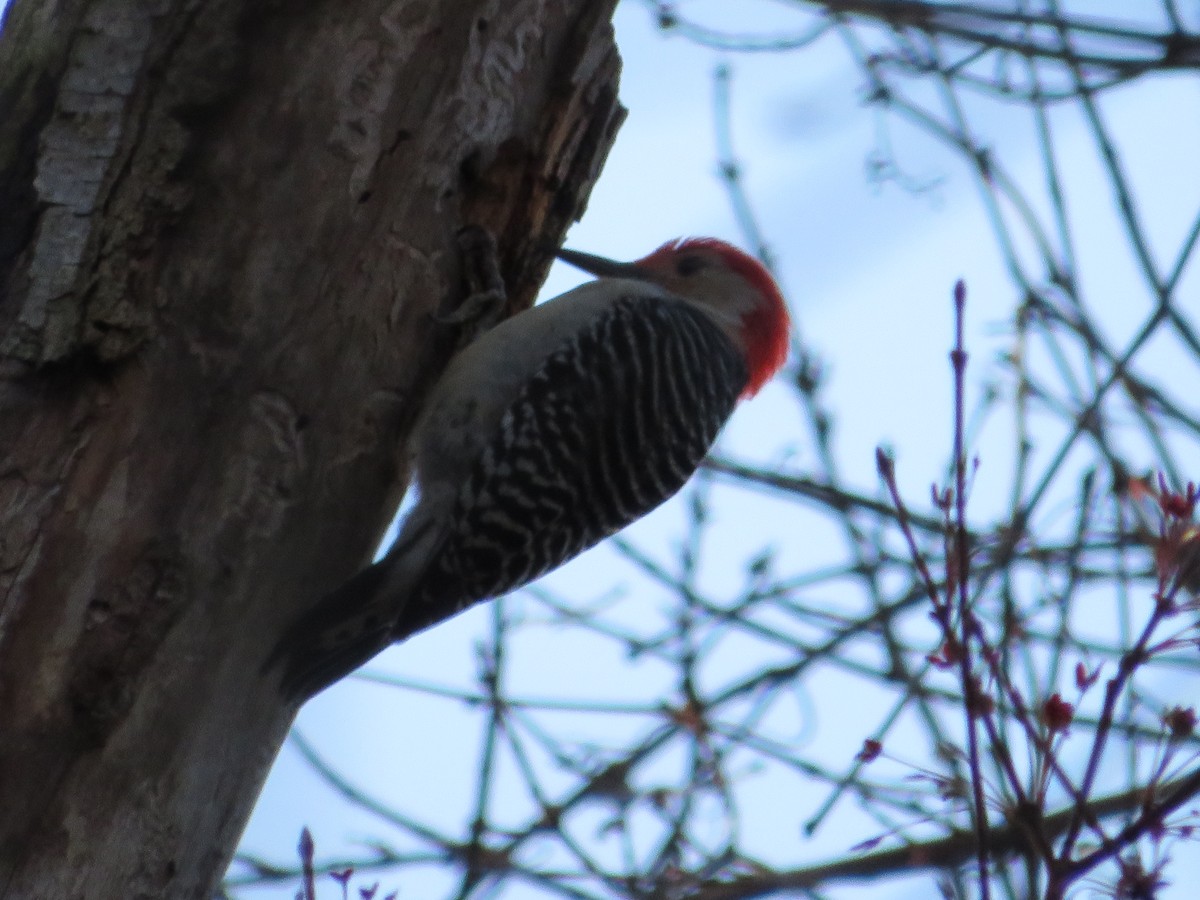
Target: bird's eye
[[689, 265]]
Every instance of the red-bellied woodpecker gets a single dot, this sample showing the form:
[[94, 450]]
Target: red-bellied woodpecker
[[550, 432]]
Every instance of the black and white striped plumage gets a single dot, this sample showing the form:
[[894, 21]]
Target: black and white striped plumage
[[613, 424], [550, 432]]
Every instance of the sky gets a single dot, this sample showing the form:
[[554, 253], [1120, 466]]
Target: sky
[[868, 270]]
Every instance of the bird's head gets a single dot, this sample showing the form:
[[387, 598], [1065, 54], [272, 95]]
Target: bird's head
[[731, 286]]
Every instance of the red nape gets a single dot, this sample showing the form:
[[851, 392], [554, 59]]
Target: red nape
[[766, 327]]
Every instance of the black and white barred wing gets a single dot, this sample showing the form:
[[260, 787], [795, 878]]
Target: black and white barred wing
[[613, 424]]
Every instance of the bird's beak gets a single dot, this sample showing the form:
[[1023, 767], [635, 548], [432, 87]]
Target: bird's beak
[[600, 266]]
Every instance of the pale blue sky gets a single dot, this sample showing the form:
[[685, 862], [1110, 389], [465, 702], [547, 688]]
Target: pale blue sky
[[868, 271]]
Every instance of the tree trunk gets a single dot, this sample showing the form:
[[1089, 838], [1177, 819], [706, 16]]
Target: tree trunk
[[223, 228]]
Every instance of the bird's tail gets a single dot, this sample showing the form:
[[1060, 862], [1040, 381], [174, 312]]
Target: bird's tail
[[344, 630]]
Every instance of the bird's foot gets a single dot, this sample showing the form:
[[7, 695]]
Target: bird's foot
[[486, 297]]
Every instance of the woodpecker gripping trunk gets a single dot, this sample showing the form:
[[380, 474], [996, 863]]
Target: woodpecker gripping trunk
[[551, 432]]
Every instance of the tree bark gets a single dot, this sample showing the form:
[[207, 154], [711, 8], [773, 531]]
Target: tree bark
[[225, 225]]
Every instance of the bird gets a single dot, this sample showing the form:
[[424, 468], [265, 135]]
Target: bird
[[549, 432]]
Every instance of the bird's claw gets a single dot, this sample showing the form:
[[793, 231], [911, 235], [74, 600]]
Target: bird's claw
[[486, 297]]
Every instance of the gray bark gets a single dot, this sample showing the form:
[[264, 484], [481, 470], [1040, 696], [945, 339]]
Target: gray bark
[[225, 225]]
